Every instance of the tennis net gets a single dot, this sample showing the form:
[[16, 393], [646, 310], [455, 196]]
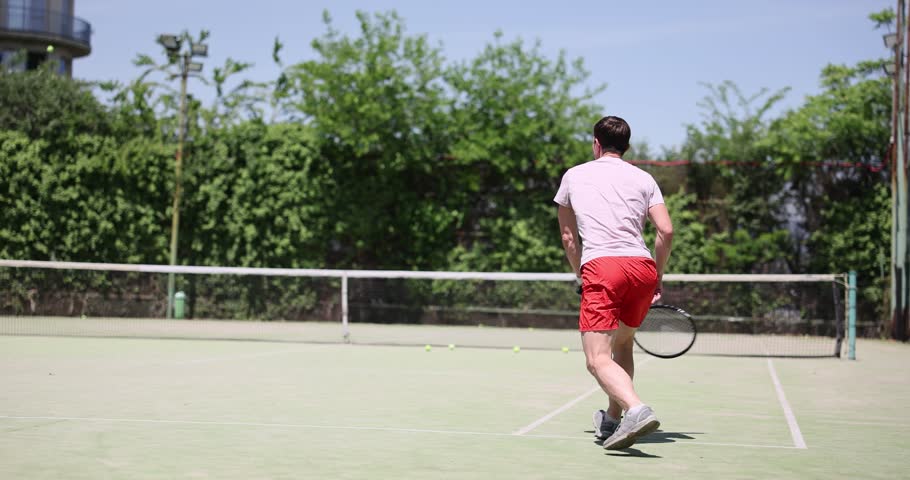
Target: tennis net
[[762, 315]]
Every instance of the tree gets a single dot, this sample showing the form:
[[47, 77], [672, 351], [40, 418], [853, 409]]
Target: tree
[[44, 105], [520, 121], [832, 153], [376, 106], [736, 184]]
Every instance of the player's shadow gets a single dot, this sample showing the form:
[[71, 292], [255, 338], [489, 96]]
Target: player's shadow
[[630, 452], [659, 436]]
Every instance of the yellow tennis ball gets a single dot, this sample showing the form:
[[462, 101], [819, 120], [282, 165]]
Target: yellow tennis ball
[[50, 49], [428, 348], [565, 349], [516, 349], [451, 346], [83, 316]]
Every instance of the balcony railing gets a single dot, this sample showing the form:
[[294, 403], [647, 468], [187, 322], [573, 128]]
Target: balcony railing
[[40, 21]]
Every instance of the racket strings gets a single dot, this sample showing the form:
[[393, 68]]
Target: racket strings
[[666, 332]]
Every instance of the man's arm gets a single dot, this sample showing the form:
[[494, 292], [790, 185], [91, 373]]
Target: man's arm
[[660, 217], [568, 228]]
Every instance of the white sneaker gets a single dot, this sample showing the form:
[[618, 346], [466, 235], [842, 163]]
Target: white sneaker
[[632, 428]]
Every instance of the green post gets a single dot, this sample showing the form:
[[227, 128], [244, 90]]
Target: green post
[[851, 315], [179, 304]]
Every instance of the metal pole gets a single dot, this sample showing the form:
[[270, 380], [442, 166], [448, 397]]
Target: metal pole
[[904, 28], [896, 144], [900, 268], [344, 309], [840, 317], [851, 315], [178, 170], [903, 261]]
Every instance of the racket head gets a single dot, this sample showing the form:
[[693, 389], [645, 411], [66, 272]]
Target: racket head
[[666, 332]]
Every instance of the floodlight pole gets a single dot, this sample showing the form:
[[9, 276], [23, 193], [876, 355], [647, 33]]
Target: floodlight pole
[[178, 172], [896, 148], [901, 270], [900, 121], [184, 49]]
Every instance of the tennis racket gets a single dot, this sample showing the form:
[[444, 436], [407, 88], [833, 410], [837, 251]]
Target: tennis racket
[[666, 332]]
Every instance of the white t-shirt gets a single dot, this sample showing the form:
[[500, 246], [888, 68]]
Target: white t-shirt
[[611, 198]]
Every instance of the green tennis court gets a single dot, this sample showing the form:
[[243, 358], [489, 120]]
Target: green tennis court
[[154, 408]]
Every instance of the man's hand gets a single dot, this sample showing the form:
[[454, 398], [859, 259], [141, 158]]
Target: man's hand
[[662, 244]]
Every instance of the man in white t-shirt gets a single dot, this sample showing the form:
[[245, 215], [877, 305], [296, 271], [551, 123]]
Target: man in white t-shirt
[[603, 205]]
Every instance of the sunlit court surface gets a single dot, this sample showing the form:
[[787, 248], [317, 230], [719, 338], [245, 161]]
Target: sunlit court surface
[[359, 240], [157, 408]]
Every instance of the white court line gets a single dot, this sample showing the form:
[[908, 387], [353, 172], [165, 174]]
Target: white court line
[[540, 421], [252, 424], [675, 442], [740, 445], [788, 412], [338, 427]]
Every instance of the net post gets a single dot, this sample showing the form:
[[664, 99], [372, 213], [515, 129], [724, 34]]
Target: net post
[[170, 296], [840, 314], [344, 309], [851, 315]]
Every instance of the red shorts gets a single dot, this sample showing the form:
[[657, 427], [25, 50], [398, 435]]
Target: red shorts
[[616, 289]]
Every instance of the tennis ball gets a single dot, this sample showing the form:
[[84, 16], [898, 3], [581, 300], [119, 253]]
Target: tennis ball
[[83, 316], [516, 349], [451, 346], [50, 49], [565, 349], [530, 329], [428, 348]]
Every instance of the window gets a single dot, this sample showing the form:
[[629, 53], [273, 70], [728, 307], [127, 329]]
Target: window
[[17, 13], [36, 15]]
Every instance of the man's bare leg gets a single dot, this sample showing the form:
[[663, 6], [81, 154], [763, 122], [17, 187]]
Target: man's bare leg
[[617, 383], [613, 378], [622, 355]]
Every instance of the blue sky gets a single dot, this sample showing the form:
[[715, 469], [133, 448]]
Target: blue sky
[[652, 55]]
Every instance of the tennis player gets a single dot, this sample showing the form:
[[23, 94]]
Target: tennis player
[[603, 205]]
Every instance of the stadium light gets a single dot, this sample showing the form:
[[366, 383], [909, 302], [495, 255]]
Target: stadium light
[[890, 40], [170, 42], [889, 69], [194, 67], [200, 50]]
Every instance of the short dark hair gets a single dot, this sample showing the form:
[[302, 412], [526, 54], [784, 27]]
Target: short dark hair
[[613, 134]]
